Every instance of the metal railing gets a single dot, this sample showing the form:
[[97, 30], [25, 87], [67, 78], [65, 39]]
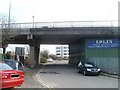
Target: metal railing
[[113, 23]]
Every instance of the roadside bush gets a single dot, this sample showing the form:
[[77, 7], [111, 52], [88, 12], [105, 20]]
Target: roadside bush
[[54, 57], [59, 58], [7, 55], [44, 55], [43, 60]]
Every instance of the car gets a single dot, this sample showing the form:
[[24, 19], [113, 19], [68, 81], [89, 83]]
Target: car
[[10, 78], [15, 64], [50, 60], [88, 68]]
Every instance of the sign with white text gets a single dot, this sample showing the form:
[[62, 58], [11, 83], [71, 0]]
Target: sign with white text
[[103, 43]]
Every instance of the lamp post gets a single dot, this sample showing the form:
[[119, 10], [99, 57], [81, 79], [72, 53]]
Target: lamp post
[[9, 14], [6, 34], [33, 21]]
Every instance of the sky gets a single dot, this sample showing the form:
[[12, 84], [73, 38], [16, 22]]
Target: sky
[[59, 10]]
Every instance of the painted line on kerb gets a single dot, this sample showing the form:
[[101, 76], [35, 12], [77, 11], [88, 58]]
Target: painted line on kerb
[[43, 83], [35, 77], [47, 85]]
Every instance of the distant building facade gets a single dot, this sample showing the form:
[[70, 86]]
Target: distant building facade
[[62, 51]]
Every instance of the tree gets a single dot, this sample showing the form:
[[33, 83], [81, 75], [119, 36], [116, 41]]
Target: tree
[[43, 56], [54, 57], [4, 32], [3, 36], [7, 55]]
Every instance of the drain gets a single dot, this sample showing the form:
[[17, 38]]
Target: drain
[[50, 72]]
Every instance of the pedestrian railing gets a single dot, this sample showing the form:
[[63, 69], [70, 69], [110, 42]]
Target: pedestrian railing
[[113, 23]]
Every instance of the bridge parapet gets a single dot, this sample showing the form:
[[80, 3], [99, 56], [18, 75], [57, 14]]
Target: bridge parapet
[[16, 31], [113, 23]]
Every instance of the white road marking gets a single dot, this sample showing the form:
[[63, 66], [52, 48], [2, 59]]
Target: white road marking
[[43, 83]]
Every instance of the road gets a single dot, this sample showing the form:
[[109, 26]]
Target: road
[[59, 75]]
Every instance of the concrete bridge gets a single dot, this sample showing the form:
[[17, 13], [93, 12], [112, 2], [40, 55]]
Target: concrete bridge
[[75, 34]]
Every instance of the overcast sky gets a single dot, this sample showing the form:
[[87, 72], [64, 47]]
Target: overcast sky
[[60, 10]]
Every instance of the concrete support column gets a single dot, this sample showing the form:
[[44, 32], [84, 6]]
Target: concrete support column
[[32, 56], [34, 53], [37, 49], [76, 52]]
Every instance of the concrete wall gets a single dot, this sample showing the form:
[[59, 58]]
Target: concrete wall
[[105, 58], [108, 65], [77, 52]]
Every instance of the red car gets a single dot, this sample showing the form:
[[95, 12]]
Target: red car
[[10, 78]]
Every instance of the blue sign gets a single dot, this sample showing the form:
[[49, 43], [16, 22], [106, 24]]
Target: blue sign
[[103, 43]]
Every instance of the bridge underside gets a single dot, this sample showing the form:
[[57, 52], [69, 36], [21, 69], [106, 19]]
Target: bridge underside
[[51, 39], [47, 39]]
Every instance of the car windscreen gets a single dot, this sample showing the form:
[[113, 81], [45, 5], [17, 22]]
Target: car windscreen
[[88, 65], [5, 67]]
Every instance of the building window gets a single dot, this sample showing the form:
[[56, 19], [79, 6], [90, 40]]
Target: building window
[[57, 47], [65, 50], [58, 51], [65, 47], [65, 53]]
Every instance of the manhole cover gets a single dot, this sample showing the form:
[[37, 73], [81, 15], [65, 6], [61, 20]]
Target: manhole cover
[[49, 72]]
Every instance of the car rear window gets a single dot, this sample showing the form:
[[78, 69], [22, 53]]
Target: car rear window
[[11, 64], [5, 67]]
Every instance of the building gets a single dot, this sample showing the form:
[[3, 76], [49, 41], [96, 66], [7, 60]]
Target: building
[[62, 51]]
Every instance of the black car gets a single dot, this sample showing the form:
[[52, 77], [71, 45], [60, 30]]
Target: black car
[[88, 68], [16, 65]]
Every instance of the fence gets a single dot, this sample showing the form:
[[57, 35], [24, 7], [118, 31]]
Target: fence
[[112, 23]]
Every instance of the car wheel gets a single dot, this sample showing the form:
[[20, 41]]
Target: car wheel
[[84, 72], [98, 74], [78, 71]]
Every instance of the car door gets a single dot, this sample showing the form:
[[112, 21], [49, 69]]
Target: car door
[[20, 66], [81, 67]]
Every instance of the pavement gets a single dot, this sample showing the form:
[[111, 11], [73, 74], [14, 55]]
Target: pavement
[[30, 79], [110, 75]]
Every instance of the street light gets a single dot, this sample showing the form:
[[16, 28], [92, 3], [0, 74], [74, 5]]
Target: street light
[[33, 21], [9, 14]]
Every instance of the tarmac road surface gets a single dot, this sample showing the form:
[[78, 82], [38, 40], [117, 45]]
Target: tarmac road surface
[[59, 75]]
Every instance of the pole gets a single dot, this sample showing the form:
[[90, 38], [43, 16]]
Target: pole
[[33, 21], [9, 14]]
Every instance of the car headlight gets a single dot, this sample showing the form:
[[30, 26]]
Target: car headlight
[[98, 69], [88, 69]]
